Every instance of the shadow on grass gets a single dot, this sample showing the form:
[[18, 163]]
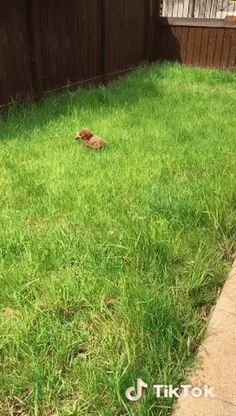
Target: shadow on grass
[[25, 119]]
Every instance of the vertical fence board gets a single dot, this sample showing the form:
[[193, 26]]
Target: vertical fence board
[[219, 47], [175, 41], [150, 28], [184, 43], [126, 34], [211, 46], [197, 46], [161, 43], [15, 65], [204, 46], [71, 39], [33, 13], [232, 50], [190, 46], [225, 49]]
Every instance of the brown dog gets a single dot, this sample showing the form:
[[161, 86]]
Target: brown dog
[[90, 140]]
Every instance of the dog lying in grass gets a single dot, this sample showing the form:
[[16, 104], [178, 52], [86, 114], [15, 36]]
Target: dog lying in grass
[[90, 140]]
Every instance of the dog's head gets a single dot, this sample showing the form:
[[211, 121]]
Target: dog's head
[[84, 135]]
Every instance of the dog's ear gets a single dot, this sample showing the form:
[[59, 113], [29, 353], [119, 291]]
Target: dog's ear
[[77, 136], [82, 134], [88, 133]]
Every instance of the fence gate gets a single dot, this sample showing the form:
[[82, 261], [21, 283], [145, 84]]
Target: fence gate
[[197, 32]]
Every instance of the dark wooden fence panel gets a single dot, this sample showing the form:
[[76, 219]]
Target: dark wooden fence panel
[[15, 61], [126, 34], [71, 43], [197, 42]]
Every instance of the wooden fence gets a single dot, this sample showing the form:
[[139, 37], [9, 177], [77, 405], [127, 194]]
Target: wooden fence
[[53, 44], [48, 45], [197, 42]]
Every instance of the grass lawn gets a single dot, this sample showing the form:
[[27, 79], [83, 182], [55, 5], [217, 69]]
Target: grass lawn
[[110, 261]]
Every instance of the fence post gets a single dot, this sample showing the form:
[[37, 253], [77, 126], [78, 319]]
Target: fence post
[[152, 6], [149, 29], [33, 15], [104, 29], [156, 18]]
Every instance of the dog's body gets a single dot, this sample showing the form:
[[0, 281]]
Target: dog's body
[[90, 140]]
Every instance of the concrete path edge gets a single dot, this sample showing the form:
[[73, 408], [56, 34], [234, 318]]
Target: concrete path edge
[[216, 360]]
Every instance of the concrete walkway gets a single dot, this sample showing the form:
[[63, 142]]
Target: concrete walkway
[[217, 360]]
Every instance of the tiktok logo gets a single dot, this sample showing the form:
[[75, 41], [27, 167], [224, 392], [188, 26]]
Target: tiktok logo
[[168, 391], [133, 394]]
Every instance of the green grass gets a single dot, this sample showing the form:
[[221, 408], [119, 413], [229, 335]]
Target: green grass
[[111, 261]]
